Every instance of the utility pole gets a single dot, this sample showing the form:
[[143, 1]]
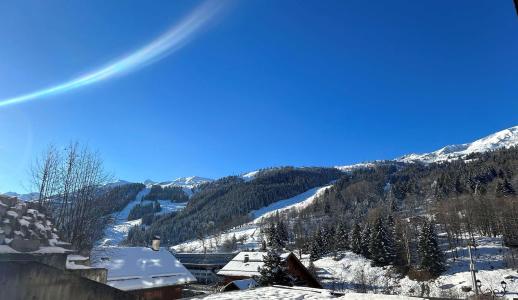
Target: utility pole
[[473, 271]]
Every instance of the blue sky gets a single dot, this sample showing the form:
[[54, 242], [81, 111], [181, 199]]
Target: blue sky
[[267, 83]]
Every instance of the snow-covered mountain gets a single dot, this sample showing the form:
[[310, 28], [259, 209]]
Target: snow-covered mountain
[[186, 182], [503, 139], [117, 183], [23, 197], [350, 168]]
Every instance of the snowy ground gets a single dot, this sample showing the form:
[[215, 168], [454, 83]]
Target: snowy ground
[[344, 274], [116, 232], [294, 293], [250, 233]]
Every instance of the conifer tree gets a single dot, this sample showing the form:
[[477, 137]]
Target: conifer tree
[[432, 258], [273, 270], [379, 247], [356, 239], [341, 240], [505, 189], [392, 248], [315, 246], [365, 240]]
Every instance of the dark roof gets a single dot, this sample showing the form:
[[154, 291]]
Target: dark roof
[[215, 259]]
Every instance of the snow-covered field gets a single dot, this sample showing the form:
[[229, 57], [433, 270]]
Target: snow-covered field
[[116, 232], [295, 293], [351, 269], [250, 234]]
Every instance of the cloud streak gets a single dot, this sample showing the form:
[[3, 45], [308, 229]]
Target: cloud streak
[[169, 42]]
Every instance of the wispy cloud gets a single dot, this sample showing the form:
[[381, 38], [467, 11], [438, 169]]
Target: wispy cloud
[[172, 40]]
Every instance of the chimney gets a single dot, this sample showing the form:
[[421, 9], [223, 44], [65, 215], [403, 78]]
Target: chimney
[[247, 258], [155, 243]]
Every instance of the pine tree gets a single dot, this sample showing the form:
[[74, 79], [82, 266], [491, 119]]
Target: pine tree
[[391, 246], [432, 258], [273, 270], [326, 240], [315, 246], [356, 239], [365, 239], [341, 240], [378, 244], [281, 236], [505, 189]]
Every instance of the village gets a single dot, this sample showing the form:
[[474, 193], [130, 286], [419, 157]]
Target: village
[[258, 150], [36, 264]]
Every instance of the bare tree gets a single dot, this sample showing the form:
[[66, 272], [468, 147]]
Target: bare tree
[[68, 182]]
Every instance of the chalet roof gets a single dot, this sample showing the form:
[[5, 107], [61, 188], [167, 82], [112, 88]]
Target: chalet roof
[[242, 284], [215, 259], [238, 267], [135, 268]]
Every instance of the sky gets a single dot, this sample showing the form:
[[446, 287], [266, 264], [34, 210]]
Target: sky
[[262, 83]]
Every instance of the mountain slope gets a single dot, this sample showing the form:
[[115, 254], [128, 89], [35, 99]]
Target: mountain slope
[[503, 139]]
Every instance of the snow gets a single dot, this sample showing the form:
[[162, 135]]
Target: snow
[[117, 183], [295, 293], [250, 232], [237, 266], [503, 139], [342, 275], [13, 214], [23, 197], [250, 175], [5, 249], [298, 202], [167, 206], [132, 268], [350, 168], [186, 182], [114, 234]]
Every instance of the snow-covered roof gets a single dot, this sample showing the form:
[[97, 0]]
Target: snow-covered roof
[[135, 268], [289, 293], [238, 267]]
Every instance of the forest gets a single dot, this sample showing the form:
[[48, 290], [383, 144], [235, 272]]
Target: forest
[[393, 213], [227, 202], [173, 193]]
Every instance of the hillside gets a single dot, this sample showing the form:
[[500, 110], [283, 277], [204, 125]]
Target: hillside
[[227, 202]]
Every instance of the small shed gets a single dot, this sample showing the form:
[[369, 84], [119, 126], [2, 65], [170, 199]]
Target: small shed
[[246, 265], [147, 273]]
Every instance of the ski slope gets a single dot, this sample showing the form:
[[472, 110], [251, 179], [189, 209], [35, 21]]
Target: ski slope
[[249, 234], [116, 232]]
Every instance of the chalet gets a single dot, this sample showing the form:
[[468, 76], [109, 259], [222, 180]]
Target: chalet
[[246, 265], [205, 266], [149, 273]]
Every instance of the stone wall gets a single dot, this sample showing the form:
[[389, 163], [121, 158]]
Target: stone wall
[[25, 229]]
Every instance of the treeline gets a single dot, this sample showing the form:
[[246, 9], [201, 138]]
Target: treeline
[[384, 240], [173, 193], [227, 202], [144, 210], [114, 199]]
